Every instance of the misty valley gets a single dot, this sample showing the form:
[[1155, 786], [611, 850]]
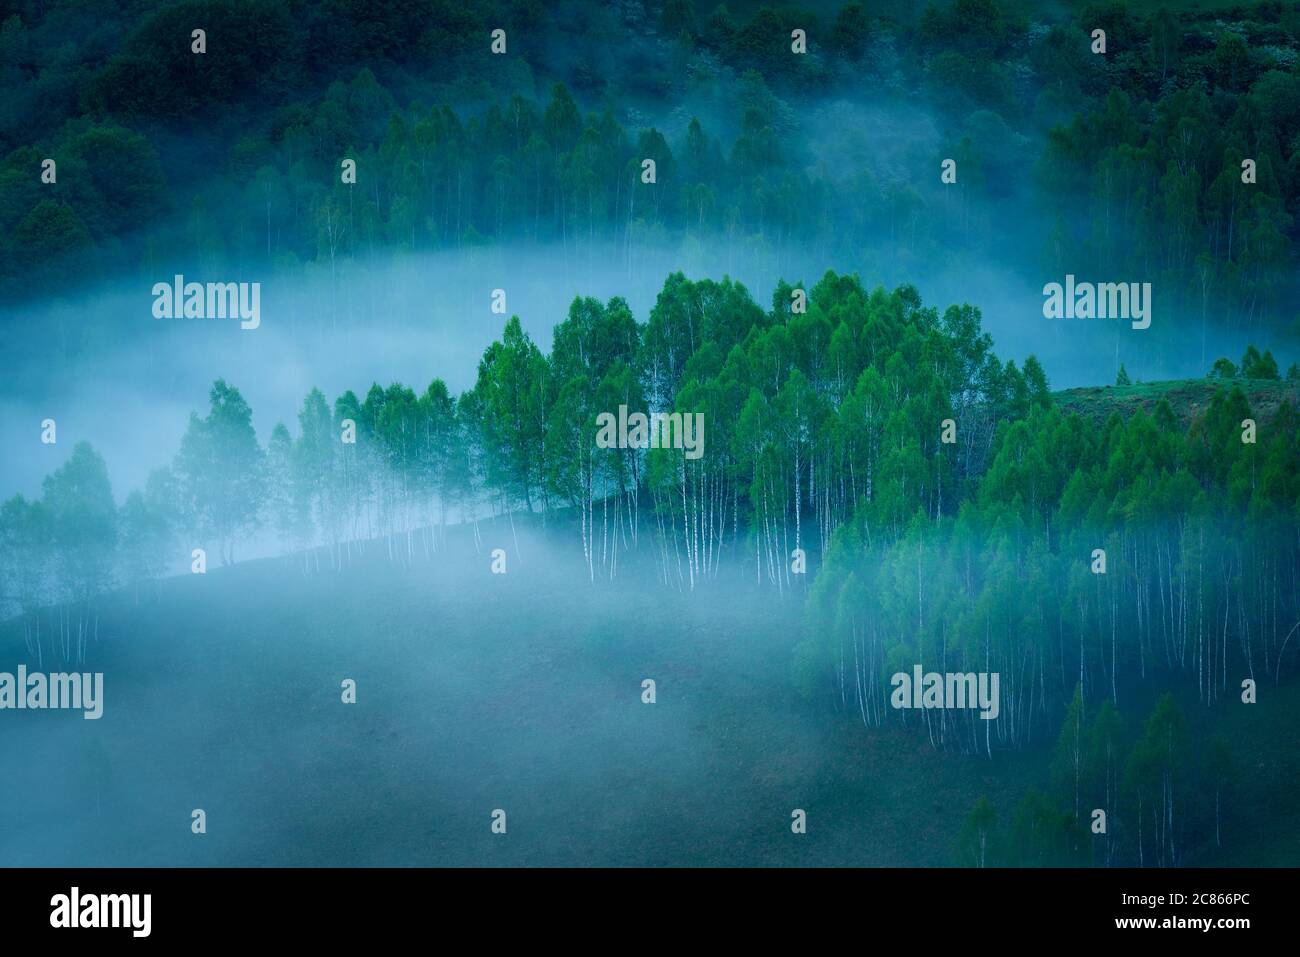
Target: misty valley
[[890, 565], [654, 434]]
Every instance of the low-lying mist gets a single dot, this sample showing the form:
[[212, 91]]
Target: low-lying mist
[[476, 691], [108, 372]]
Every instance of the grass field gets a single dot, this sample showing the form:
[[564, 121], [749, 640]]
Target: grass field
[[1185, 396]]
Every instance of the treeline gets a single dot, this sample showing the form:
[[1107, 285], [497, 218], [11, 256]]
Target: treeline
[[1253, 366], [1162, 794], [1126, 160], [833, 395]]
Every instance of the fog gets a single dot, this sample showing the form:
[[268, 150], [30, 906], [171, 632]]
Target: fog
[[100, 365], [475, 692]]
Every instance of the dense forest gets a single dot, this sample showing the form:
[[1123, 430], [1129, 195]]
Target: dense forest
[[1126, 160]]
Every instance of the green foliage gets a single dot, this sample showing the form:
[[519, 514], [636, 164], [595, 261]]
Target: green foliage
[[1155, 797], [1255, 366], [1223, 369], [973, 844], [83, 519], [220, 471]]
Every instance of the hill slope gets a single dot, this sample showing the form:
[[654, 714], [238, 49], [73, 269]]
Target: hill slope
[[476, 692], [1186, 396]]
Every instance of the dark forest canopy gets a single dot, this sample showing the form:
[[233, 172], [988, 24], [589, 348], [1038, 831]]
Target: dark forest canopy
[[1106, 164]]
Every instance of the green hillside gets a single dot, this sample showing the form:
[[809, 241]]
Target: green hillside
[[1187, 397]]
